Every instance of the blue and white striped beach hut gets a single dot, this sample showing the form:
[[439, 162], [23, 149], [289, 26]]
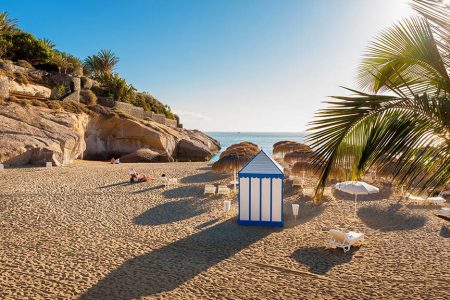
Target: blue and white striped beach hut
[[261, 192]]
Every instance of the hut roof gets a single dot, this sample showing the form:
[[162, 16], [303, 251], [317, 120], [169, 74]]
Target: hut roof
[[261, 163]]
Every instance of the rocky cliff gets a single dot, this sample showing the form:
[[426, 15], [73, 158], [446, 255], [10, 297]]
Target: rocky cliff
[[34, 135]]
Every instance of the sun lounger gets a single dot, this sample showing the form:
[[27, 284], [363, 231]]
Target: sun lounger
[[297, 182], [170, 181], [341, 239], [210, 189], [415, 199], [435, 200], [223, 190]]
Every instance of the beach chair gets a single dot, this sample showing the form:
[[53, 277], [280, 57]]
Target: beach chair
[[210, 189], [297, 182], [170, 181], [415, 199], [341, 239], [223, 190], [435, 200]]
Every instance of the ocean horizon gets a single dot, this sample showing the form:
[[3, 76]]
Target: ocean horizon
[[264, 140]]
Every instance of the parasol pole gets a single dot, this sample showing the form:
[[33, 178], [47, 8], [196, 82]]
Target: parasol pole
[[354, 215], [234, 178]]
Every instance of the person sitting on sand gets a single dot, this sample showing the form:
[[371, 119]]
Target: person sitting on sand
[[113, 160]]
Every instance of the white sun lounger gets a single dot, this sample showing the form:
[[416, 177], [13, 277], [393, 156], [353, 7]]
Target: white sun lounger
[[170, 181], [223, 190], [435, 200], [297, 182], [341, 239], [415, 199], [210, 189]]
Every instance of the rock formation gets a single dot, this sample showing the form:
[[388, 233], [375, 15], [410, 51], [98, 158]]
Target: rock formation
[[35, 135]]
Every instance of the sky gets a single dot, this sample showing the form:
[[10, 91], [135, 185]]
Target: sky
[[222, 65]]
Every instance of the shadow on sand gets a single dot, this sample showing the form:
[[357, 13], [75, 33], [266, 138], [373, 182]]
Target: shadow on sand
[[166, 268], [320, 260], [204, 177], [390, 218], [123, 183], [445, 232], [184, 192], [306, 212], [385, 192], [173, 211]]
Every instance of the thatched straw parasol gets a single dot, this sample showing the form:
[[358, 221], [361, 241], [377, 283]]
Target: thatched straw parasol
[[302, 167], [234, 158], [296, 156], [289, 146], [244, 147]]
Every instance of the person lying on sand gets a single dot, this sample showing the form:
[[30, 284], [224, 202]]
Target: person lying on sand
[[139, 177]]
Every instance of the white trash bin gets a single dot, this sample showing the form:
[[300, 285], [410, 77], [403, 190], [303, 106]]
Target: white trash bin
[[295, 208], [226, 205]]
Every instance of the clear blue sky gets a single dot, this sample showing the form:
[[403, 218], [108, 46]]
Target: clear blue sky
[[223, 65]]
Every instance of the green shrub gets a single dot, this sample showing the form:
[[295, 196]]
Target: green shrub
[[58, 92], [22, 102], [88, 97], [54, 104], [118, 87], [66, 63], [75, 107], [24, 46], [25, 64], [39, 103]]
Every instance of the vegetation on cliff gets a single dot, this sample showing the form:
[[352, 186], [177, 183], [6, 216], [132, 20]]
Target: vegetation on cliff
[[25, 50]]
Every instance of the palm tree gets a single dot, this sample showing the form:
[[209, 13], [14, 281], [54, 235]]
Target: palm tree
[[101, 63], [48, 43], [400, 116], [6, 24]]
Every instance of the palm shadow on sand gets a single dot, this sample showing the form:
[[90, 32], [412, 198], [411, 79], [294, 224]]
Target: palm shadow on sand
[[391, 218], [320, 260], [164, 269], [173, 211], [204, 177], [385, 192]]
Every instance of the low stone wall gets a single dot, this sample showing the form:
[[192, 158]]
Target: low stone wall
[[140, 113], [74, 96], [129, 109]]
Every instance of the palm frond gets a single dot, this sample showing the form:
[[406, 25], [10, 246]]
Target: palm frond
[[405, 57]]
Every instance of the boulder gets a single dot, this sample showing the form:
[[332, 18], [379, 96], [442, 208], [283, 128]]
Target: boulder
[[35, 135], [191, 150], [86, 83], [140, 155], [29, 89]]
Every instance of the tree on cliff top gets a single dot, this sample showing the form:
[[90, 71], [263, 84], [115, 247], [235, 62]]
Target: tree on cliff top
[[102, 63]]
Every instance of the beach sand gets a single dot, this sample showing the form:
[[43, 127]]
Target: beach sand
[[83, 231]]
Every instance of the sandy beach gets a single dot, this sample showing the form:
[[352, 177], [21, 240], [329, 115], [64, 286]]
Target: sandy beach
[[83, 231]]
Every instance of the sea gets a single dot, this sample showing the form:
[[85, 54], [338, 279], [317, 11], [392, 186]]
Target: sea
[[264, 140]]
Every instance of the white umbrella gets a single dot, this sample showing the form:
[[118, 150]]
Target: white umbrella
[[356, 188]]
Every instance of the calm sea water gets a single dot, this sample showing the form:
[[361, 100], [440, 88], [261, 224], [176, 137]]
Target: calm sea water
[[264, 140]]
